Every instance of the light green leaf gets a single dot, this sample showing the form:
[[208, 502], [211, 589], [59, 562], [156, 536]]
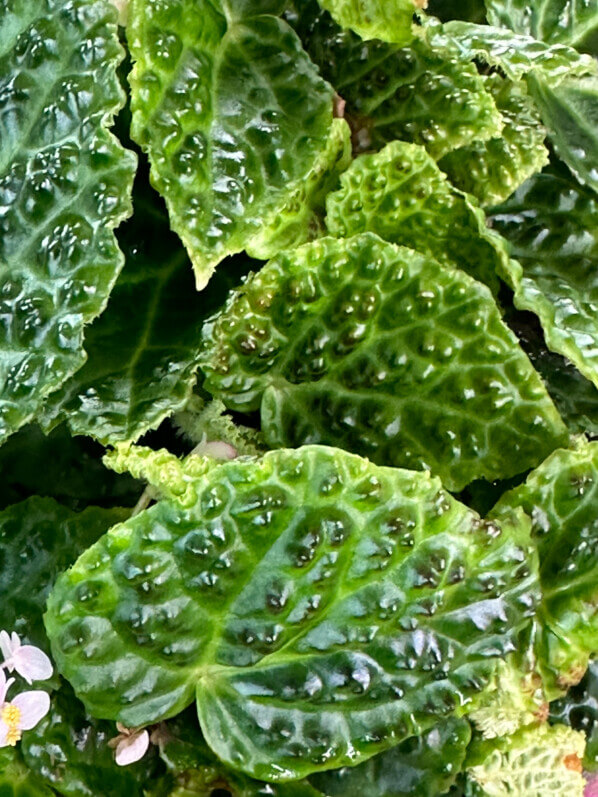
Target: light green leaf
[[321, 609], [388, 20], [423, 766], [561, 498], [64, 185], [492, 170], [579, 709], [570, 112], [39, 538], [381, 351], [566, 21], [237, 124], [16, 780], [141, 365], [552, 223], [535, 762], [69, 751], [427, 96], [401, 195], [517, 55]]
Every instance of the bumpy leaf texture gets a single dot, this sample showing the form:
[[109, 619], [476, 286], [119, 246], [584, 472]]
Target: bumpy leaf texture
[[566, 21], [492, 170], [401, 195], [388, 20], [561, 498], [237, 124], [64, 185], [424, 766], [551, 223], [69, 751], [433, 97], [320, 609], [142, 351], [579, 709], [39, 538], [381, 351], [535, 762]]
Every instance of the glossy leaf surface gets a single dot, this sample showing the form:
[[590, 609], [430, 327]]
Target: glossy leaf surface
[[381, 351], [69, 751], [566, 21], [569, 113], [237, 124], [39, 538], [551, 223], [494, 169], [534, 762], [401, 195], [141, 365], [424, 766], [561, 498], [431, 97], [64, 185], [321, 609], [388, 20]]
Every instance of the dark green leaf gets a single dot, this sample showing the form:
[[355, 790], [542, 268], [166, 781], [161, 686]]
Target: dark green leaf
[[321, 609], [16, 780], [237, 124], [579, 709], [64, 185], [381, 351]]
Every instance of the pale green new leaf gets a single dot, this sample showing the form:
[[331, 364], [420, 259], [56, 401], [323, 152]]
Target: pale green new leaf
[[536, 762], [433, 97], [570, 112], [492, 170], [516, 54], [388, 20], [561, 497], [401, 195], [383, 352], [566, 21], [321, 609], [237, 124], [551, 223], [64, 185]]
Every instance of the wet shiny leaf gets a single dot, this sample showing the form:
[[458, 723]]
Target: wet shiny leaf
[[64, 185], [237, 124], [388, 20], [319, 608], [567, 21], [381, 351], [579, 709]]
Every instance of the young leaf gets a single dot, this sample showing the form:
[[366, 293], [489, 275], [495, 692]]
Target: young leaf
[[388, 20], [560, 497], [423, 766], [579, 709], [141, 365], [427, 96], [69, 751], [551, 223], [39, 538], [569, 113], [566, 21], [320, 608], [535, 762], [493, 169], [237, 124], [64, 185], [379, 350], [401, 195]]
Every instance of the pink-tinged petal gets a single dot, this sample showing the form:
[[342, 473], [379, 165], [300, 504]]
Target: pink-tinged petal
[[591, 789], [32, 664], [3, 734], [5, 684], [5, 645], [217, 450], [132, 748], [33, 707]]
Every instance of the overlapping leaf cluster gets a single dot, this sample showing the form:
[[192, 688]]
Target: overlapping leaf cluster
[[298, 392]]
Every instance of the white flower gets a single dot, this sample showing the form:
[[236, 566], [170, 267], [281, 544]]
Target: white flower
[[20, 714], [30, 662], [131, 744]]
